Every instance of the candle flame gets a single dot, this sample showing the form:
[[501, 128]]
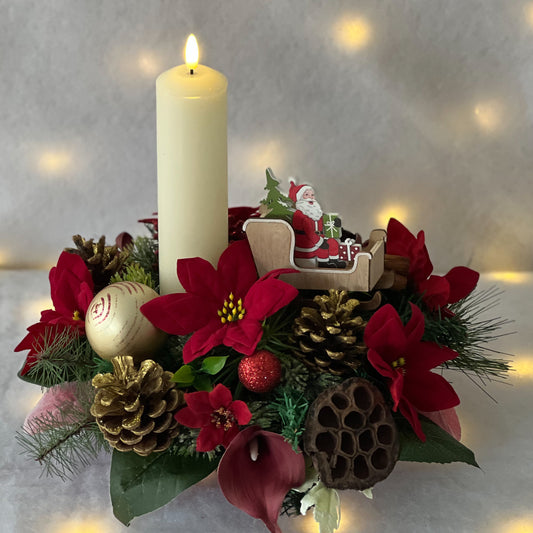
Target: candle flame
[[191, 52]]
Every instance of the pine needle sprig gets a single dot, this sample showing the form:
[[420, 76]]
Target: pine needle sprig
[[64, 357], [136, 273], [468, 333], [292, 408], [65, 442], [144, 253]]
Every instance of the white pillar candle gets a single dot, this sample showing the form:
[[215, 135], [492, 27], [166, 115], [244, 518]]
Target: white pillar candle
[[192, 176]]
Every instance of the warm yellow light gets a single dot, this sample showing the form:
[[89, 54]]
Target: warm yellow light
[[265, 154], [31, 311], [397, 211], [4, 258], [191, 52], [488, 115], [522, 524], [528, 12], [523, 367], [80, 525], [54, 162], [352, 33], [510, 277], [148, 64]]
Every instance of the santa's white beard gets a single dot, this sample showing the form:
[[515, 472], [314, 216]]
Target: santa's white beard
[[311, 208]]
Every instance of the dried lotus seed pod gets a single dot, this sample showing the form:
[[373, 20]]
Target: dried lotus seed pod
[[351, 436]]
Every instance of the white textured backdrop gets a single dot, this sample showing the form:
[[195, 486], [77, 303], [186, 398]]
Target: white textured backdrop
[[416, 108]]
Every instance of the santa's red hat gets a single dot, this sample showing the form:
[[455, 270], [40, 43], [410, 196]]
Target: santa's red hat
[[296, 192]]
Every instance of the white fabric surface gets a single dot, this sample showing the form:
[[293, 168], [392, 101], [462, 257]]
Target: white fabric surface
[[415, 498], [417, 108]]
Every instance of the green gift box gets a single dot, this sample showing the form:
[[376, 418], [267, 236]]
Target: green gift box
[[331, 231]]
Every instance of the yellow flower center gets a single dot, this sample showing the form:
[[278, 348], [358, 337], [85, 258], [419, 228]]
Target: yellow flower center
[[400, 362], [223, 418], [231, 310], [76, 315]]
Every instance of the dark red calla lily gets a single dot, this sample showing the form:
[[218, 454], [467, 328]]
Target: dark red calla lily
[[437, 291], [224, 306], [398, 353], [256, 472], [217, 414]]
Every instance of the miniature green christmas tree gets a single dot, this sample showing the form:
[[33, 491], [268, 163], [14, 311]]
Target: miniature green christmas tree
[[277, 205]]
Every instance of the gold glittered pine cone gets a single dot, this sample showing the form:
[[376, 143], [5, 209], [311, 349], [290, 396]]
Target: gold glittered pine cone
[[135, 408], [351, 436], [101, 260], [329, 336]]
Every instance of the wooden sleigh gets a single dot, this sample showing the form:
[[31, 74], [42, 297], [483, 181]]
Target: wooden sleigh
[[272, 242]]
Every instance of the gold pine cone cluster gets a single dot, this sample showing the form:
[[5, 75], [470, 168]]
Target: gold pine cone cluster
[[329, 335], [134, 408], [101, 260]]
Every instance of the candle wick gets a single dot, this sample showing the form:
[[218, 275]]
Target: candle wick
[[191, 72]]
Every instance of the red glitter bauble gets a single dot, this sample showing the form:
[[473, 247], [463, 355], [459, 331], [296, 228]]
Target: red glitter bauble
[[260, 372]]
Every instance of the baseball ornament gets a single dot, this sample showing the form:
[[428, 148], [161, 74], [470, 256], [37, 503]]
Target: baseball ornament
[[115, 325], [260, 372]]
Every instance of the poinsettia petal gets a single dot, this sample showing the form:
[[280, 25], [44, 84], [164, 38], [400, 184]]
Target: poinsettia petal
[[192, 419], [428, 391], [435, 291], [385, 334], [266, 297], [244, 336], [229, 435], [198, 402], [420, 266], [379, 364], [277, 272], [414, 329], [241, 412], [427, 355], [220, 396], [209, 438], [399, 239], [396, 388], [199, 277], [447, 419], [462, 282], [236, 268], [179, 314], [259, 487], [203, 340], [411, 414]]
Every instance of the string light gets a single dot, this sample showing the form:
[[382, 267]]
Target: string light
[[55, 162], [266, 154], [79, 525], [528, 12], [523, 524], [510, 277], [523, 367], [148, 64], [31, 311], [488, 116], [397, 211], [352, 33]]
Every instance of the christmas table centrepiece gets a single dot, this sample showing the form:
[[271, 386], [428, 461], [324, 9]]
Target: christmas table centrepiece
[[291, 391]]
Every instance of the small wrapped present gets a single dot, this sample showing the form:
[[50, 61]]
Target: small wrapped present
[[348, 249], [332, 226]]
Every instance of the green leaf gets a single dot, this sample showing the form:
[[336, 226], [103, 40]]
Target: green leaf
[[203, 383], [327, 511], [142, 484], [440, 446], [213, 365], [184, 375]]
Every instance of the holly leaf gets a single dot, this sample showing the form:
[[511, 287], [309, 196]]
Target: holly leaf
[[203, 383], [142, 484], [440, 446], [213, 365], [327, 511], [184, 375]]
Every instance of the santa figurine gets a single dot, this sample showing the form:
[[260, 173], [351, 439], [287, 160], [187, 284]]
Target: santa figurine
[[309, 229]]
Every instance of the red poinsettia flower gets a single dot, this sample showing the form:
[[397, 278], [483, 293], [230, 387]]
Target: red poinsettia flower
[[256, 472], [398, 353], [71, 287], [437, 291], [224, 306], [217, 414]]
